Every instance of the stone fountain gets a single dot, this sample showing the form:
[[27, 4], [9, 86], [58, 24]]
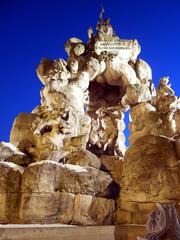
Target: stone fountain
[[67, 161]]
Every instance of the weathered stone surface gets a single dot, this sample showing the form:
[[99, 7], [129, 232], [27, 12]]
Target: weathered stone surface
[[83, 158], [48, 176], [120, 74], [22, 130], [9, 153], [55, 70], [87, 180], [10, 184], [73, 144], [9, 207], [137, 93], [66, 207], [44, 135], [177, 146], [41, 177], [39, 207], [74, 46], [113, 165], [145, 120], [10, 177], [21, 160], [166, 103], [7, 150], [151, 171], [143, 71], [102, 210], [42, 207], [177, 121], [70, 95], [122, 217], [141, 215], [50, 188], [91, 210], [133, 212]]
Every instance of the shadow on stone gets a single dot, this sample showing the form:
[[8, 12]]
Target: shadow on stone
[[113, 190]]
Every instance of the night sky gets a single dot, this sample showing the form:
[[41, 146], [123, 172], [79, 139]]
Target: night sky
[[31, 30]]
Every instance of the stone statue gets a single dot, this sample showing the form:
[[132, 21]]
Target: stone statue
[[163, 224], [164, 88], [107, 129], [104, 28]]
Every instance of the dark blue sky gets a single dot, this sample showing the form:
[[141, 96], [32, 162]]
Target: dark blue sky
[[31, 30]]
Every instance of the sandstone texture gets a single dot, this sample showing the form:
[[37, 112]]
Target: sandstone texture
[[51, 192], [10, 180], [151, 170], [83, 158], [9, 153], [67, 194]]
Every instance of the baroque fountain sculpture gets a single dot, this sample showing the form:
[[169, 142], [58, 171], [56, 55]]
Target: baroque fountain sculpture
[[67, 159]]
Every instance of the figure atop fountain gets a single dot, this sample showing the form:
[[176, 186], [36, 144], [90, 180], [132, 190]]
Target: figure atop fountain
[[103, 26]]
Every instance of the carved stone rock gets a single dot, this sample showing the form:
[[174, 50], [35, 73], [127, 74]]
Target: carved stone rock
[[151, 171], [49, 176], [145, 120], [9, 153], [90, 210], [83, 158], [74, 46], [52, 187], [143, 71], [137, 93], [10, 179]]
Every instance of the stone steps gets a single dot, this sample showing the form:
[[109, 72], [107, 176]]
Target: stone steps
[[70, 232]]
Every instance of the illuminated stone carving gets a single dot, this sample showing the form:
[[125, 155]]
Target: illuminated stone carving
[[61, 150]]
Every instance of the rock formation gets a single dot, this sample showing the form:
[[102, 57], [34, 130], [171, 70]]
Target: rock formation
[[67, 159]]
